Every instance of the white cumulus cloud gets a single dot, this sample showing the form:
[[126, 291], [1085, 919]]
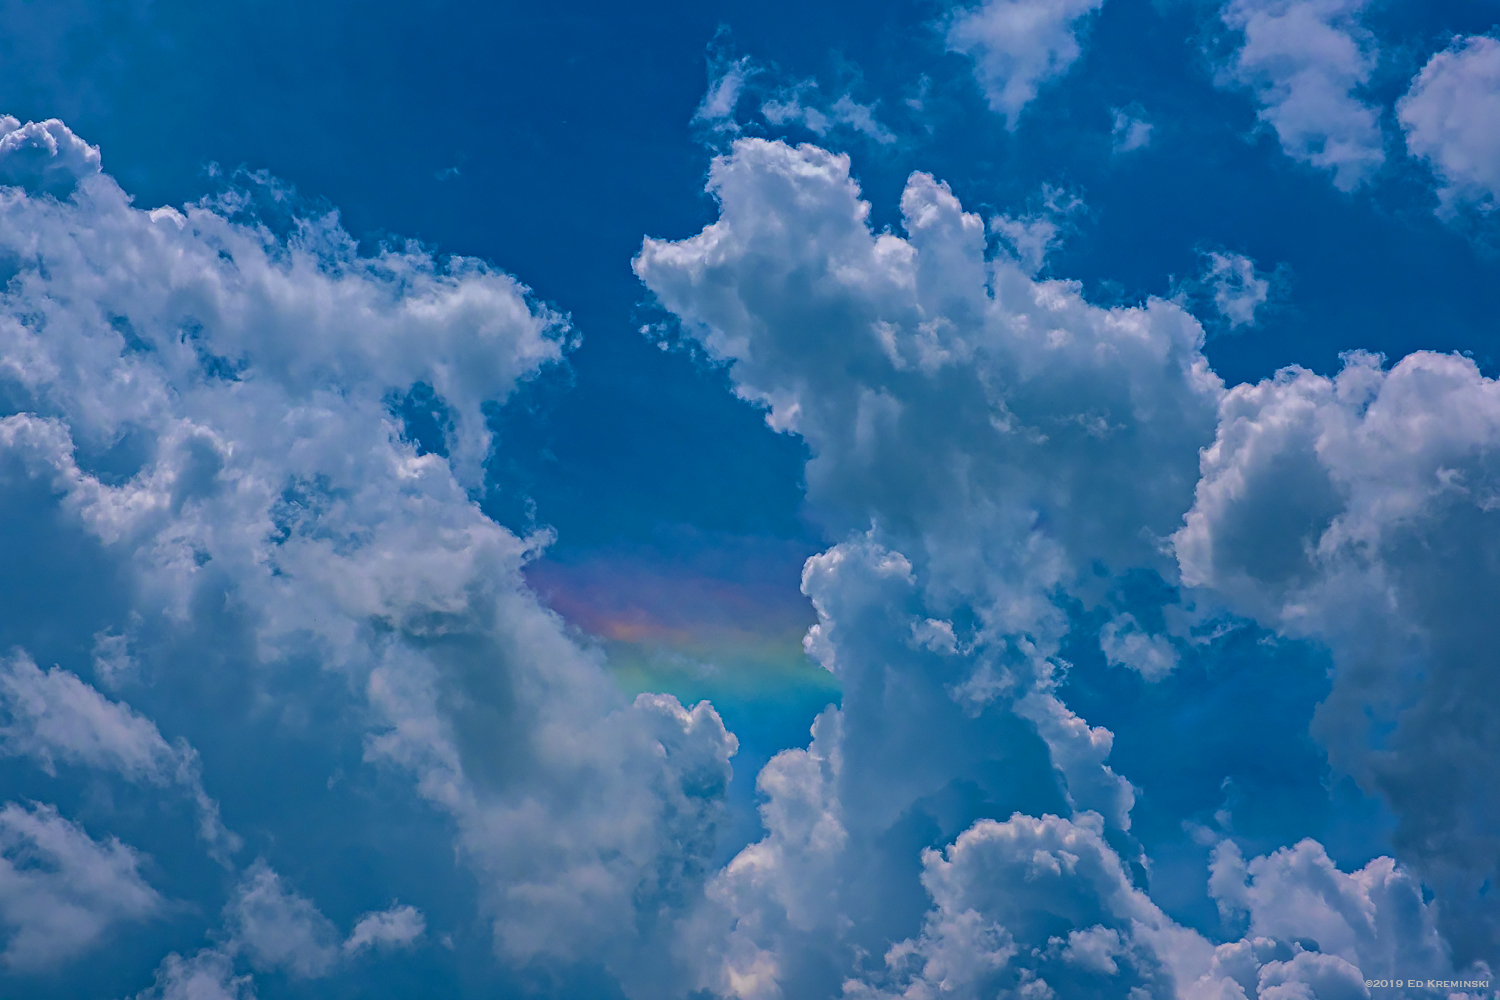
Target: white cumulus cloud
[[1361, 509], [1018, 45], [44, 156], [728, 78], [1305, 60], [977, 440], [942, 403], [1043, 906], [54, 716], [1238, 289], [1130, 132], [208, 975], [1033, 235], [273, 478], [1373, 919], [1451, 116], [61, 891], [1126, 644], [392, 928], [800, 106], [277, 929]]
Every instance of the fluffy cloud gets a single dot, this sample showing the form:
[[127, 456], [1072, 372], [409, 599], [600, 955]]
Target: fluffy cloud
[[1238, 291], [1042, 907], [208, 975], [785, 887], [215, 410], [1373, 920], [956, 451], [54, 716], [1035, 234], [799, 106], [1451, 116], [728, 80], [1018, 45], [915, 335], [977, 439], [1360, 510], [1304, 60], [864, 344], [61, 891], [278, 929], [207, 408], [1126, 644], [44, 156], [1129, 132], [393, 928]]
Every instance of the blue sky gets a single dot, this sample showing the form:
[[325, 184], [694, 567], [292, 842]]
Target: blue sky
[[746, 501]]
